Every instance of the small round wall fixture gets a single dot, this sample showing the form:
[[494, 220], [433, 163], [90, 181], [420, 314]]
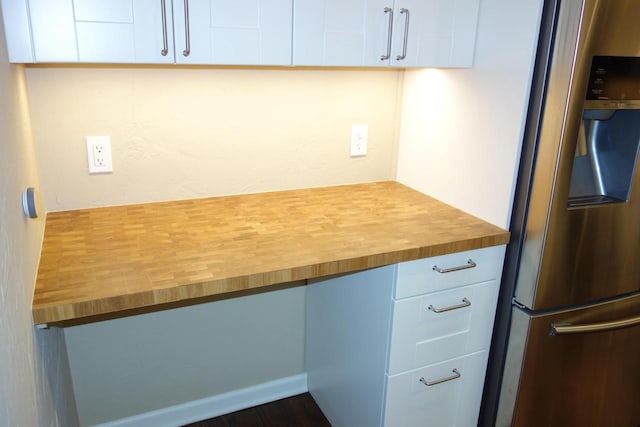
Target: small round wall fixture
[[29, 203]]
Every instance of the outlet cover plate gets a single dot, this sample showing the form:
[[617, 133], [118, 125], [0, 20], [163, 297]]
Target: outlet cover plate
[[359, 136], [99, 154]]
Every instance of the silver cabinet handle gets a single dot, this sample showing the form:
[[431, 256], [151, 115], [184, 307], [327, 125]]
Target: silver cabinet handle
[[568, 328], [469, 264], [386, 56], [455, 376], [187, 40], [406, 35], [165, 42], [465, 303]]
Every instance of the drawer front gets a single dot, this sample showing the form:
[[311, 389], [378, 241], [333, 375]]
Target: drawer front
[[455, 402], [419, 276], [442, 325]]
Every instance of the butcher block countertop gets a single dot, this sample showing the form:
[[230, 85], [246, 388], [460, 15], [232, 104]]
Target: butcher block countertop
[[115, 260]]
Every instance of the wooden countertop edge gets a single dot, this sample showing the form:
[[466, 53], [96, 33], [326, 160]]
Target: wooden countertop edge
[[194, 293]]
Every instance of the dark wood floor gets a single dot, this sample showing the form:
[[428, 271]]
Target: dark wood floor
[[294, 411]]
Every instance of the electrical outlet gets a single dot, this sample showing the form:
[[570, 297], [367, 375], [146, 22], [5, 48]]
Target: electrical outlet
[[359, 135], [99, 154]]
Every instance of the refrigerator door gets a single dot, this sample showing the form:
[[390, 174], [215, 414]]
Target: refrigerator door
[[571, 254], [578, 367]]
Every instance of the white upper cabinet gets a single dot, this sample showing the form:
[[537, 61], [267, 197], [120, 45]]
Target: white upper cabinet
[[114, 31], [441, 33], [341, 33], [400, 33], [53, 30], [246, 32]]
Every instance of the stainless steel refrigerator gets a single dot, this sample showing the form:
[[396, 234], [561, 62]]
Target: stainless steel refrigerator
[[566, 345]]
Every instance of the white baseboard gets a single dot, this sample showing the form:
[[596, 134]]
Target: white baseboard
[[214, 406]]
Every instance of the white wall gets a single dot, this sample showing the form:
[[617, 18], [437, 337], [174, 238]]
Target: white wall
[[461, 130], [35, 384], [193, 132]]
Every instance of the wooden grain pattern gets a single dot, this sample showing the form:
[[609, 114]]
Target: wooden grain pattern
[[107, 260]]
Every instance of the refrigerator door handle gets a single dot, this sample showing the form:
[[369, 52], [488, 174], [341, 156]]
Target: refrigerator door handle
[[568, 328]]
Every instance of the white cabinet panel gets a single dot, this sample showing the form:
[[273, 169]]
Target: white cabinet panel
[[347, 335], [149, 31], [238, 13], [465, 27], [119, 31], [125, 31], [419, 277], [339, 33], [453, 403], [104, 11], [441, 33], [17, 30], [53, 29], [424, 33], [420, 336], [104, 30], [256, 32], [105, 42]]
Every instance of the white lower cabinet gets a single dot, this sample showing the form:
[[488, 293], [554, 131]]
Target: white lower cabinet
[[421, 336], [418, 398], [403, 345]]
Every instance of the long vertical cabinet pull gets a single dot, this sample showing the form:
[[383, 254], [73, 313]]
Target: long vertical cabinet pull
[[187, 41], [165, 41], [406, 35], [388, 54]]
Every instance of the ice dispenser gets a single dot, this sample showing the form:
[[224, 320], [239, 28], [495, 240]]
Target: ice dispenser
[[609, 138]]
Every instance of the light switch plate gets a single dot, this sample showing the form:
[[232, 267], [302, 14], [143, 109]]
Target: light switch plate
[[99, 154]]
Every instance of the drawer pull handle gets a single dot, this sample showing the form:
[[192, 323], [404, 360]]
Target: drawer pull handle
[[465, 303], [455, 376], [469, 264]]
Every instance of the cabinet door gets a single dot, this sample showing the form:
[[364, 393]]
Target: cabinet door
[[53, 28], [126, 31], [340, 32], [434, 33], [131, 31], [245, 32]]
